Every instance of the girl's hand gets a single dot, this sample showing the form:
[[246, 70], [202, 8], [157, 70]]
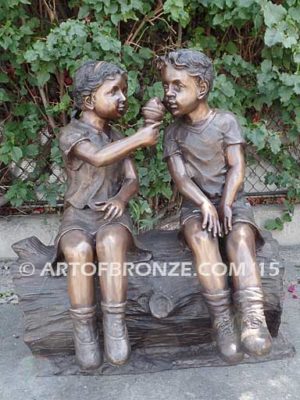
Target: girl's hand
[[113, 207], [148, 135]]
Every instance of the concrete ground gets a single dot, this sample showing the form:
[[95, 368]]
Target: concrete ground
[[276, 380]]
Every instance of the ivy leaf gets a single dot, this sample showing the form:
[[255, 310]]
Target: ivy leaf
[[286, 217], [133, 84], [273, 13], [285, 94], [273, 36], [116, 18], [176, 9], [146, 53], [16, 154], [258, 137], [297, 58], [3, 78], [275, 144], [231, 48], [294, 12], [156, 90], [266, 66], [31, 150], [245, 3], [4, 97], [274, 224], [42, 78], [83, 11], [290, 40]]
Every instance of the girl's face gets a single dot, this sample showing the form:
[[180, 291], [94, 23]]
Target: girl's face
[[110, 99]]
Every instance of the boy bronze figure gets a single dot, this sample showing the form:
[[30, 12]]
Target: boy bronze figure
[[101, 179], [204, 150]]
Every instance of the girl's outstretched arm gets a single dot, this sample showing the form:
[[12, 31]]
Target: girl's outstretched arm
[[115, 151]]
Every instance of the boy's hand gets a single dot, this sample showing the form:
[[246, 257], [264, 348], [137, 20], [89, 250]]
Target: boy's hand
[[113, 207], [149, 134], [225, 214], [210, 218]]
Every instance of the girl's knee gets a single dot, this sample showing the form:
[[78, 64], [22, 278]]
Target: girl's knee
[[77, 250], [112, 237]]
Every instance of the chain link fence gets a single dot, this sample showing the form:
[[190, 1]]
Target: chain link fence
[[256, 173], [48, 178]]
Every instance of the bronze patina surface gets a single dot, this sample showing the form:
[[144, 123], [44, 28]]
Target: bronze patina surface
[[204, 149], [101, 179]]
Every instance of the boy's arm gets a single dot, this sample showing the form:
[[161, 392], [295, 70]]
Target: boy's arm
[[88, 152], [234, 180], [115, 206], [191, 191]]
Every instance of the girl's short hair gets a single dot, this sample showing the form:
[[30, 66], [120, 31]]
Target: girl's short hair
[[90, 76], [196, 64]]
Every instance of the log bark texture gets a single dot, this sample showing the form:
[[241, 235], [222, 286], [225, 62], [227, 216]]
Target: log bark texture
[[166, 313]]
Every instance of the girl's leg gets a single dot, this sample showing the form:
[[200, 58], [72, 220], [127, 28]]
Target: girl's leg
[[112, 243], [77, 249], [78, 252]]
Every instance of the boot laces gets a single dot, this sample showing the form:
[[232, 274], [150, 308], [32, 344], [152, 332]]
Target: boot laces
[[224, 325], [253, 319]]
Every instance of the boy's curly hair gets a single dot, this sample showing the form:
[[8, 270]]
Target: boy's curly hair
[[90, 76], [196, 64]]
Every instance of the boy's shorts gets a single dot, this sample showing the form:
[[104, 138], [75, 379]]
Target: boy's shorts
[[241, 212]]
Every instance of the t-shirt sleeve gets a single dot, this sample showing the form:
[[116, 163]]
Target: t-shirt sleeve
[[67, 140], [232, 131], [170, 145]]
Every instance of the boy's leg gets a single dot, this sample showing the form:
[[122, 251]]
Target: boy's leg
[[212, 276], [112, 242], [241, 253], [78, 252], [209, 265]]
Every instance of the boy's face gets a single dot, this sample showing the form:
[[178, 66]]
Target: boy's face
[[110, 99], [182, 92]]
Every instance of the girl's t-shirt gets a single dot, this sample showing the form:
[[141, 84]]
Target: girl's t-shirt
[[87, 184]]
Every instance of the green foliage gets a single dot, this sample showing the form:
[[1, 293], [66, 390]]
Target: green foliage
[[254, 45]]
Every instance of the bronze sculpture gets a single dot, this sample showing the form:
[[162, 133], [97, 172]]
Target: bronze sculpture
[[204, 150], [166, 317], [101, 181]]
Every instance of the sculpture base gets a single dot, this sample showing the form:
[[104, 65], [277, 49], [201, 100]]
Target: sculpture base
[[156, 359], [167, 319]]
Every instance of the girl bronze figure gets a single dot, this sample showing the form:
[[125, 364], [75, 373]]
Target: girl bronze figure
[[101, 179]]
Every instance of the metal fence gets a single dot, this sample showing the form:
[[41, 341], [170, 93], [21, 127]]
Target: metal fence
[[257, 170], [33, 169]]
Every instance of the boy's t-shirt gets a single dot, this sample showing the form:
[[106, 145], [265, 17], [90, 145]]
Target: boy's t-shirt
[[202, 146]]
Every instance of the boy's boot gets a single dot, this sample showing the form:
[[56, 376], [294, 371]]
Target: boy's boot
[[255, 337], [86, 338], [116, 340], [226, 335]]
